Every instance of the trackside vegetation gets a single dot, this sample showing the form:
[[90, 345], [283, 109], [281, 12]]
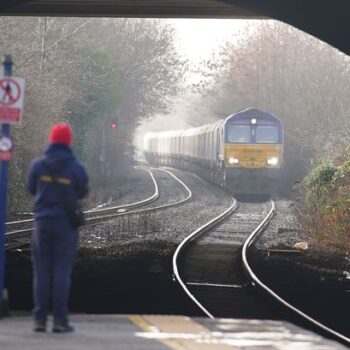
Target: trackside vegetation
[[324, 210], [88, 72]]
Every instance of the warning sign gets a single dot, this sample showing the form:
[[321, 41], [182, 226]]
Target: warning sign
[[11, 100]]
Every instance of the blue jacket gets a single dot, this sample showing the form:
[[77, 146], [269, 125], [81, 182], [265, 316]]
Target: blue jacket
[[60, 163]]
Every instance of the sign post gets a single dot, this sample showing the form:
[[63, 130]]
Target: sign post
[[5, 134]]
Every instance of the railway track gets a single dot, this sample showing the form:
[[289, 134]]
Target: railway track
[[260, 284], [27, 223], [212, 266], [207, 264], [20, 237]]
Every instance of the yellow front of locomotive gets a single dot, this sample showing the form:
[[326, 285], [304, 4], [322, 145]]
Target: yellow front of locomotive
[[253, 152]]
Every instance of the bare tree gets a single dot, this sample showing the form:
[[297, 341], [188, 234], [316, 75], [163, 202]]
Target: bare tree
[[87, 71], [284, 71]]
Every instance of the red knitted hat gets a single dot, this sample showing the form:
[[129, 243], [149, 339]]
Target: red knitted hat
[[61, 133]]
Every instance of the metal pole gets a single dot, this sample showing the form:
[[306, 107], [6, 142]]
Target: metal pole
[[5, 131]]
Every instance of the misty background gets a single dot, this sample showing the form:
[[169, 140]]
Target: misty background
[[152, 75]]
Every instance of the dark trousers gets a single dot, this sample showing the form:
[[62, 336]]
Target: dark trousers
[[54, 249]]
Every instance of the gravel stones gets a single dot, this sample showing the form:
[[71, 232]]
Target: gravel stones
[[283, 232], [166, 228]]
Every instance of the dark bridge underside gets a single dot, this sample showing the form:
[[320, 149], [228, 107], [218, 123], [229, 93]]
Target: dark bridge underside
[[328, 20]]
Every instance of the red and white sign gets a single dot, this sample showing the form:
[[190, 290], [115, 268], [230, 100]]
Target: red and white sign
[[11, 100], [5, 148]]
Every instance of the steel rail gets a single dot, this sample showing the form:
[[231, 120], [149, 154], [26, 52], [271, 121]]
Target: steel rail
[[143, 202], [140, 203], [256, 281], [197, 233], [139, 211], [95, 220]]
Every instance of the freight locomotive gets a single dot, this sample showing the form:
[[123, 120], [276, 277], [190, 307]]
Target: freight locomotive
[[243, 152]]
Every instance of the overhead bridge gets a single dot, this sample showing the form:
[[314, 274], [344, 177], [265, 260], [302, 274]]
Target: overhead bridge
[[326, 19], [132, 8]]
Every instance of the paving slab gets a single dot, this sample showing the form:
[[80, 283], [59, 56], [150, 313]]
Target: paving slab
[[162, 332]]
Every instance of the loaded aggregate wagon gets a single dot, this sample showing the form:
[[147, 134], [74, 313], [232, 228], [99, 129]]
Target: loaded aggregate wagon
[[243, 152]]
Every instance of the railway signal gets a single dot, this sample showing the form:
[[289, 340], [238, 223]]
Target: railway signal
[[114, 123]]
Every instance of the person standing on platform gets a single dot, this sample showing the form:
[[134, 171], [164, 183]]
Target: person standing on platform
[[55, 179]]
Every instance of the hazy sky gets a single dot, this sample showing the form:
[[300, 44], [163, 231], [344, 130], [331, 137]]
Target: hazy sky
[[197, 38]]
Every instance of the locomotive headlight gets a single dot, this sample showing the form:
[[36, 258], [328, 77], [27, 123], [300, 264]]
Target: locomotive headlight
[[232, 160], [272, 161], [253, 121]]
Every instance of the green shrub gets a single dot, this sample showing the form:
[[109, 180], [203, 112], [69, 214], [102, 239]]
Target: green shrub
[[325, 209], [322, 175]]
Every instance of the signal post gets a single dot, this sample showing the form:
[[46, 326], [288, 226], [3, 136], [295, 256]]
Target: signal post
[[11, 109]]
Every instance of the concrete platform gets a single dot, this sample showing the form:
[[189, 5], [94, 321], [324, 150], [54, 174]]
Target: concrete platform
[[151, 332]]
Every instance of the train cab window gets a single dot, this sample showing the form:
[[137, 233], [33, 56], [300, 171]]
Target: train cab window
[[266, 134], [238, 133]]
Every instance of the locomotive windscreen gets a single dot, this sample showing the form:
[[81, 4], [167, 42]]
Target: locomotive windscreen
[[239, 133], [266, 134]]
